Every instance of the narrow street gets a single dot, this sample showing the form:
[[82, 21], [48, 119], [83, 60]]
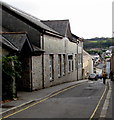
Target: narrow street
[[78, 102]]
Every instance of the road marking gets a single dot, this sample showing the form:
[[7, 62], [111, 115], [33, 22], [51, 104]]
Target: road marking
[[98, 104], [106, 103], [42, 100]]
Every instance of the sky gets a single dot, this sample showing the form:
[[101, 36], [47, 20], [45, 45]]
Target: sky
[[88, 18]]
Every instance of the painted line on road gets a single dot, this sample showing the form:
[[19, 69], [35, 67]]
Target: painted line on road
[[43, 100], [106, 103], [98, 104]]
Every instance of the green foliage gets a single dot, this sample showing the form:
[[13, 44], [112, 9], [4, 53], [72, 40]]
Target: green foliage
[[11, 66], [90, 51], [103, 43], [107, 57], [11, 69]]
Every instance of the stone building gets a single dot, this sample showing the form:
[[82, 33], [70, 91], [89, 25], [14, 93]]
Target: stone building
[[87, 64], [48, 57], [8, 51]]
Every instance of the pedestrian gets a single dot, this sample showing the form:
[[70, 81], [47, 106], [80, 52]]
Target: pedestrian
[[104, 75], [111, 75]]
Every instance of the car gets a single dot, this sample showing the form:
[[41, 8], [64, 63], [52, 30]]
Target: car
[[93, 76]]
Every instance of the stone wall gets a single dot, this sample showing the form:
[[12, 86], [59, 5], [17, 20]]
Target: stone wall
[[37, 72], [56, 46]]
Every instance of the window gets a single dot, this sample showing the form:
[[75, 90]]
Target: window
[[59, 65], [76, 61], [51, 67], [70, 63], [63, 65]]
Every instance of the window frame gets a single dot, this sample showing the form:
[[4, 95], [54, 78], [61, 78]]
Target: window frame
[[59, 65], [51, 67], [70, 62]]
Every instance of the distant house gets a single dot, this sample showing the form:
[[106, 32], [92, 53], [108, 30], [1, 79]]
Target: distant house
[[49, 56], [87, 64], [99, 69], [108, 67]]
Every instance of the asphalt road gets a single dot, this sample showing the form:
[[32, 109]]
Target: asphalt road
[[77, 102]]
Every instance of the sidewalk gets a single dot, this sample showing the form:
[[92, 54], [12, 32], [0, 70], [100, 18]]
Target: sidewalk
[[25, 98], [106, 112], [109, 111]]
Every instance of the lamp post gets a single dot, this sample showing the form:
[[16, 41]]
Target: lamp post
[[77, 42]]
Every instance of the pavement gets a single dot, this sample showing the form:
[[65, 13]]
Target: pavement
[[110, 107], [106, 112], [25, 98]]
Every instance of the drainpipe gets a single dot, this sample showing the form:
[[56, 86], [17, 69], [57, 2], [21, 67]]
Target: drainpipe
[[82, 58], [42, 39], [77, 42]]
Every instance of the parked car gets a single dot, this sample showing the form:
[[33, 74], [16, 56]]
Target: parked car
[[93, 76]]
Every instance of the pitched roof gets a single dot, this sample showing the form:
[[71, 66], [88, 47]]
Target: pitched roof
[[63, 27], [74, 38], [37, 49], [16, 39], [58, 25], [29, 17], [101, 66], [8, 44]]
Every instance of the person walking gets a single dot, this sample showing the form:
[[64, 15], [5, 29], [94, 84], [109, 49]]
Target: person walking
[[104, 75]]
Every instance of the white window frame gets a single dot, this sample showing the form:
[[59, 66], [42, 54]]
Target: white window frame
[[70, 63]]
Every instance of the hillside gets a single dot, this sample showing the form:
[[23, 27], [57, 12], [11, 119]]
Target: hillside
[[98, 44]]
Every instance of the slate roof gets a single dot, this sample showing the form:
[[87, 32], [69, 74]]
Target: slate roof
[[74, 38], [63, 27], [8, 44], [17, 40], [101, 66], [58, 25], [36, 49], [29, 17]]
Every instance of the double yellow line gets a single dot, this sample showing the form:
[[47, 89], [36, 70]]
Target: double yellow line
[[98, 104], [50, 96]]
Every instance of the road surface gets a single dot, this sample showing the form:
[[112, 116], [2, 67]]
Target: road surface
[[82, 101]]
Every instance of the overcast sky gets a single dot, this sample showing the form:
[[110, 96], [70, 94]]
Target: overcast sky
[[88, 18]]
